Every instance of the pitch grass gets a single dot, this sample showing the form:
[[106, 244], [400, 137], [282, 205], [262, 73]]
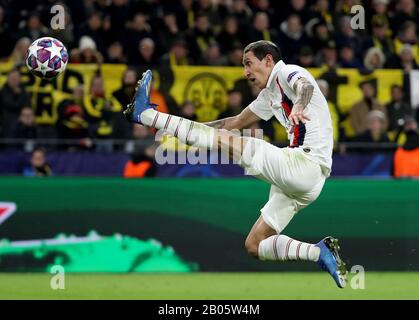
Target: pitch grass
[[207, 286]]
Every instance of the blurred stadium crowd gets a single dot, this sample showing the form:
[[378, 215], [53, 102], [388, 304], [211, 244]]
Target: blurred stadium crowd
[[152, 33], [207, 32]]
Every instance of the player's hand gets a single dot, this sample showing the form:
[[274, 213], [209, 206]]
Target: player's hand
[[297, 115]]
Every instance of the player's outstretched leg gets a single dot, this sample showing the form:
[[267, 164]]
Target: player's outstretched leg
[[265, 243], [141, 111], [325, 253]]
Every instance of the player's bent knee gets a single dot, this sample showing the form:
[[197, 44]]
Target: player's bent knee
[[252, 247]]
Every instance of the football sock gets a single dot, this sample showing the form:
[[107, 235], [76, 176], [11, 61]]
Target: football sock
[[281, 247], [187, 131]]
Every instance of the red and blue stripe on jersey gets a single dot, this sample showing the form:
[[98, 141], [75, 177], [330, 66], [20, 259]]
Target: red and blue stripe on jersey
[[300, 130]]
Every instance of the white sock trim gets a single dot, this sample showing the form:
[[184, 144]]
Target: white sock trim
[[283, 248]]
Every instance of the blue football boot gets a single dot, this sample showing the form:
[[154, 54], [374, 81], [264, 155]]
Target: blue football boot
[[330, 261], [141, 99]]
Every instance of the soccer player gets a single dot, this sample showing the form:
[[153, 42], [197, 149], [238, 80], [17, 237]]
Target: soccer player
[[296, 173]]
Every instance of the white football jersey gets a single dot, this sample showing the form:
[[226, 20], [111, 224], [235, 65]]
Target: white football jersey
[[315, 137]]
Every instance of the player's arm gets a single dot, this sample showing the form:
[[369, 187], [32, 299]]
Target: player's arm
[[243, 120], [304, 91]]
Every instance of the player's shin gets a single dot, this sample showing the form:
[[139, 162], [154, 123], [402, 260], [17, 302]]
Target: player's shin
[[187, 131], [281, 247]]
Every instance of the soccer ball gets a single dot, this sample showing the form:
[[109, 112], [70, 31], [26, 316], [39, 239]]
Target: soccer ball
[[47, 58]]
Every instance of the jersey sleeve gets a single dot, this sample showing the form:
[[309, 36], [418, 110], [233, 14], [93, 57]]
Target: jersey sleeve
[[261, 106], [290, 75]]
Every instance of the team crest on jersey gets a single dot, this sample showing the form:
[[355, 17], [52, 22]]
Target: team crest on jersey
[[291, 75]]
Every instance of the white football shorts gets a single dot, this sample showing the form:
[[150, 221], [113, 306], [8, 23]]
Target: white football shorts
[[296, 180]]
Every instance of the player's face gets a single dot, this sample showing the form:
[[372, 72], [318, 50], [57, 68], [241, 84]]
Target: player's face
[[257, 71]]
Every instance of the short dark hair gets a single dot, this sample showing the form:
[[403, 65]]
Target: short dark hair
[[262, 47]]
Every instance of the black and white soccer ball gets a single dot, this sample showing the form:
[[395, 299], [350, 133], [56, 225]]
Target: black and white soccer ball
[[47, 58]]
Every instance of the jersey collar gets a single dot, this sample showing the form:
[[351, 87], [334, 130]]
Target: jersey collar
[[274, 71]]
